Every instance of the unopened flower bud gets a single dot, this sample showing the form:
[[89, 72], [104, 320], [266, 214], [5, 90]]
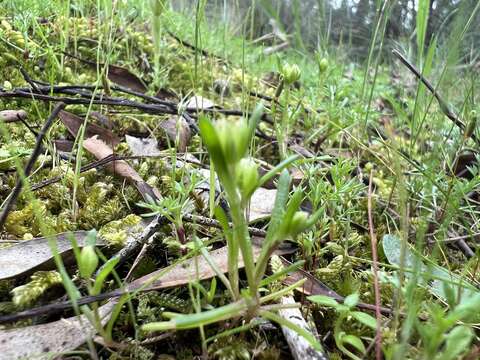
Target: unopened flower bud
[[298, 223], [323, 65], [291, 73], [234, 138], [247, 176], [87, 262], [469, 130]]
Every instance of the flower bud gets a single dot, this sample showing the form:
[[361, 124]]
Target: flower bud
[[298, 223], [291, 73], [472, 124], [323, 65], [87, 262], [234, 138], [246, 174]]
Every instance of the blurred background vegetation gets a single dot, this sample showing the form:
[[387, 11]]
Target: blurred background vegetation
[[346, 25]]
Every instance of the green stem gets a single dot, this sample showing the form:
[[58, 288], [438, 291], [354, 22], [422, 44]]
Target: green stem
[[192, 321], [242, 238], [284, 126]]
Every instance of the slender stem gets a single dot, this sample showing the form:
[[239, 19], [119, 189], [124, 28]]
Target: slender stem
[[242, 238], [376, 284]]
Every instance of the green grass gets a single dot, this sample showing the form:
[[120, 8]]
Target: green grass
[[356, 119]]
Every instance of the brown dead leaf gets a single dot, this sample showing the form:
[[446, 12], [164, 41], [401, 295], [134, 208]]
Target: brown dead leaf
[[73, 123], [27, 256], [311, 286], [63, 145], [465, 161], [117, 74], [177, 124], [67, 334], [100, 150], [192, 269], [165, 94], [300, 150], [125, 78]]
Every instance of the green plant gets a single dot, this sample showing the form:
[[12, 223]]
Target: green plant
[[447, 334], [227, 144], [87, 260], [345, 311], [289, 75]]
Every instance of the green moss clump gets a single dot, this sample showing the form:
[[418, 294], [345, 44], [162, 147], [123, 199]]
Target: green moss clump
[[116, 232], [151, 305], [10, 152], [31, 219], [27, 294], [100, 207]]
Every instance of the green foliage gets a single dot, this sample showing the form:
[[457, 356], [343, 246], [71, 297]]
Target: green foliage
[[345, 310], [377, 121]]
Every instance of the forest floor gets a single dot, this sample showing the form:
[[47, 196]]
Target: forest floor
[[112, 134]]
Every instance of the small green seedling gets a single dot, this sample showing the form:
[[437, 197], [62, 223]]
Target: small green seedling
[[344, 311]]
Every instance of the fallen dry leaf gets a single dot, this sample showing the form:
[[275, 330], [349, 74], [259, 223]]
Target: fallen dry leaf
[[74, 122], [165, 94], [100, 150], [193, 269], [117, 74], [27, 256], [199, 103], [142, 146], [125, 78], [43, 341], [177, 125], [313, 286], [63, 145], [68, 334]]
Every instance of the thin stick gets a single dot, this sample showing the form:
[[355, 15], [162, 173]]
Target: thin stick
[[28, 168], [202, 220], [373, 239], [443, 104]]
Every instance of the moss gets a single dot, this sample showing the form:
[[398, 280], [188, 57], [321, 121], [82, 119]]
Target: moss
[[27, 294], [116, 232], [151, 305], [100, 207], [21, 222], [230, 349], [11, 152]]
